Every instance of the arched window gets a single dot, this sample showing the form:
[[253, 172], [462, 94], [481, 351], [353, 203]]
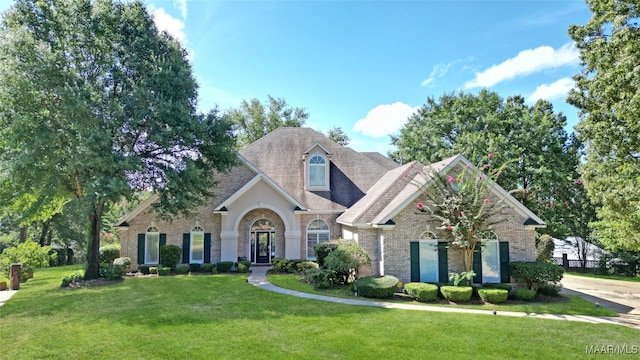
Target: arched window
[[490, 257], [196, 250], [317, 232], [152, 245], [318, 173], [428, 235]]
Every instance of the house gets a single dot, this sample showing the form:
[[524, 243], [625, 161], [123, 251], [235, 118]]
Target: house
[[295, 188]]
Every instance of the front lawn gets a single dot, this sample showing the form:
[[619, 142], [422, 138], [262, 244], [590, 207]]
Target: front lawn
[[224, 317], [566, 304]]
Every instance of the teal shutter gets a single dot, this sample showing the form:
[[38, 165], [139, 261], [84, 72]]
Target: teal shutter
[[443, 262], [207, 247], [477, 264], [141, 238], [414, 253], [163, 240], [186, 242], [505, 274]]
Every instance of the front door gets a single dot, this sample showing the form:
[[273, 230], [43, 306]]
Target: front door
[[262, 247]]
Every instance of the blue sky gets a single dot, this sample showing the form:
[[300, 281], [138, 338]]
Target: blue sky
[[366, 66]]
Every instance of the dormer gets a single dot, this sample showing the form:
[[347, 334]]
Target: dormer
[[316, 168]]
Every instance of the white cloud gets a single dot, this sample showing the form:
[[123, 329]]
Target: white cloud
[[555, 90], [166, 22], [440, 70], [182, 5], [526, 62], [384, 119]]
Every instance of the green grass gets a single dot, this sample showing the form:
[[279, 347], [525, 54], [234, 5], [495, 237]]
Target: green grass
[[608, 277], [224, 317], [571, 305]]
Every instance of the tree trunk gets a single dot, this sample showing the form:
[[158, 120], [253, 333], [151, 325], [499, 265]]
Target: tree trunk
[[467, 259], [23, 233], [46, 225], [93, 253]]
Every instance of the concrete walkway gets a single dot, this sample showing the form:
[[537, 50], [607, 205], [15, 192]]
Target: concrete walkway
[[258, 277], [5, 295]]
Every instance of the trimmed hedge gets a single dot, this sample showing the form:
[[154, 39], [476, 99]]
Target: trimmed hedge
[[549, 290], [108, 253], [194, 267], [503, 286], [123, 262], [170, 255], [377, 286], [224, 266], [535, 274], [164, 271], [144, 269], [525, 294], [208, 268], [494, 296], [457, 293], [421, 291], [246, 265], [182, 269]]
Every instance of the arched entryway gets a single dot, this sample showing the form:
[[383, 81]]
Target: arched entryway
[[263, 241]]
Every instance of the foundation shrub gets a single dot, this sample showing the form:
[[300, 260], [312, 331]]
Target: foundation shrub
[[421, 291], [170, 255], [123, 262], [144, 269], [457, 293], [164, 271], [108, 253], [525, 294], [549, 290], [208, 268], [493, 296], [224, 266], [377, 286]]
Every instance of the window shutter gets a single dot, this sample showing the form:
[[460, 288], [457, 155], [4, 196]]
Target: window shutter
[[141, 238], [163, 240], [186, 241], [443, 262], [207, 247], [414, 252], [505, 273], [477, 264]]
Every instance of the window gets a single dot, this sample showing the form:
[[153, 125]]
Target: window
[[428, 253], [152, 245], [490, 254], [317, 171], [317, 232], [197, 245]]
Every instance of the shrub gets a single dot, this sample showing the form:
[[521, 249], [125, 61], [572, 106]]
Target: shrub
[[464, 277], [195, 267], [544, 248], [144, 269], [123, 262], [306, 265], [525, 294], [108, 253], [494, 296], [421, 291], [242, 268], [208, 268], [323, 249], [68, 279], [164, 271], [153, 270], [320, 278], [170, 255], [279, 265], [549, 290], [29, 253], [292, 265], [457, 293], [246, 263], [345, 261], [224, 266], [503, 286], [536, 273], [182, 269], [377, 286], [111, 272]]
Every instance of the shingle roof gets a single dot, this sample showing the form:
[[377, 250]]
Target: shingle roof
[[279, 155]]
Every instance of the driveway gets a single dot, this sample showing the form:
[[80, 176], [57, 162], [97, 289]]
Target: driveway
[[620, 296]]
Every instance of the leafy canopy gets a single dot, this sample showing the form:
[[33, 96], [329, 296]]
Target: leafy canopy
[[607, 92], [96, 104]]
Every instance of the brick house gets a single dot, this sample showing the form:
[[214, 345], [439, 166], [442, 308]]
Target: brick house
[[295, 188]]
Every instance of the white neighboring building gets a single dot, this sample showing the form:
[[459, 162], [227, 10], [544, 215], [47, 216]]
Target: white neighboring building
[[572, 245]]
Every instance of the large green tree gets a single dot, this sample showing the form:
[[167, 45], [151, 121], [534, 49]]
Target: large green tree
[[541, 157], [607, 92], [96, 103], [253, 119]]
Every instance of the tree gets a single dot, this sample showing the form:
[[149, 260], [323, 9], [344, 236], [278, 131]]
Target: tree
[[96, 104], [253, 120], [607, 92], [531, 139], [461, 202], [337, 135]]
